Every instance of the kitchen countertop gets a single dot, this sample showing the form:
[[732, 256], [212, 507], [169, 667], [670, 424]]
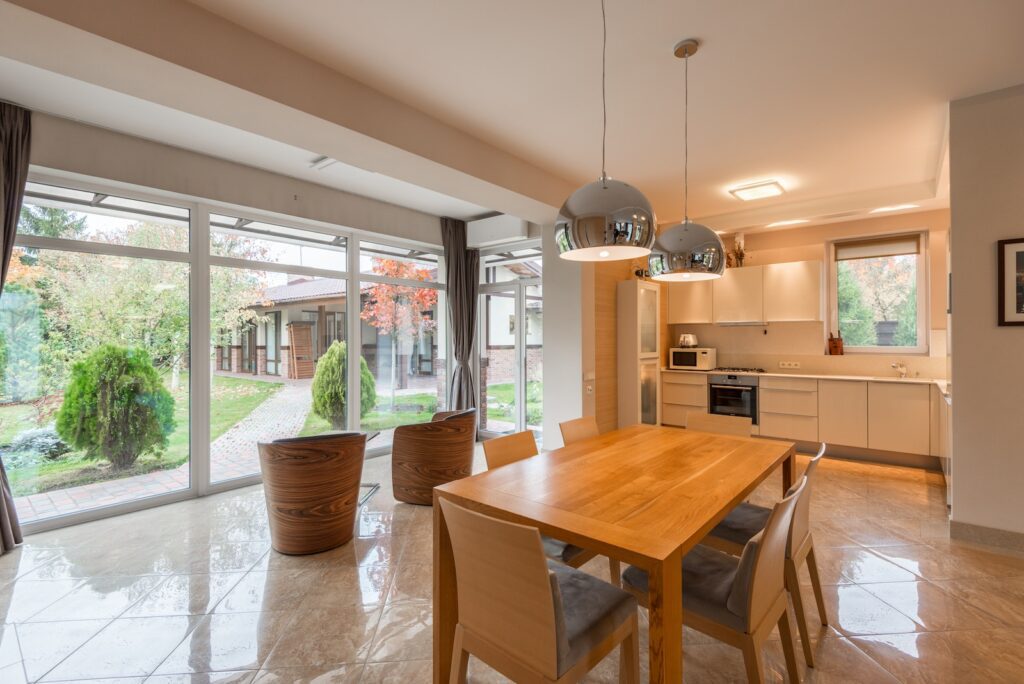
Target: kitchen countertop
[[942, 384]]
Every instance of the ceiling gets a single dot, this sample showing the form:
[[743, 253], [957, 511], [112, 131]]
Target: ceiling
[[53, 93], [843, 102]]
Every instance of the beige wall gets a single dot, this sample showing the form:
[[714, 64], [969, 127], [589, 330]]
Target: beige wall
[[987, 195], [804, 343], [65, 145]]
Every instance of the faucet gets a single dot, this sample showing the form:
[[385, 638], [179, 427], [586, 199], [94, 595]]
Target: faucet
[[901, 369]]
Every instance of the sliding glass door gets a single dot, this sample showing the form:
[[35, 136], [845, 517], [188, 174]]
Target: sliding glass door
[[511, 344]]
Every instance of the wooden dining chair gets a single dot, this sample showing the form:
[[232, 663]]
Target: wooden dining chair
[[515, 447], [747, 520], [578, 429], [737, 426], [531, 619], [739, 600]]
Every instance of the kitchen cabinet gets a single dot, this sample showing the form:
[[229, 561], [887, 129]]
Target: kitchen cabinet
[[690, 302], [738, 296], [788, 408], [638, 332], [843, 412], [792, 291], [898, 417], [682, 393]]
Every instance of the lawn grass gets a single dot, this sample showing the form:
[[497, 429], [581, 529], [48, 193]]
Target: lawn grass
[[501, 400], [232, 400], [381, 418]]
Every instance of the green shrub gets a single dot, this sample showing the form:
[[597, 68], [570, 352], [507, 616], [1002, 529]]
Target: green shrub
[[116, 407], [329, 383]]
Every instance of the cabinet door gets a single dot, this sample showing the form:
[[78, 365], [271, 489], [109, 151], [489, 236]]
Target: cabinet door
[[690, 302], [649, 392], [843, 412], [792, 291], [898, 416], [738, 296], [647, 311]]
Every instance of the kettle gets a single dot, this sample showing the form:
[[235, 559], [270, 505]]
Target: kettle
[[687, 340]]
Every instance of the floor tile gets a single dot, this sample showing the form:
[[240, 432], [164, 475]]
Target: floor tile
[[242, 677], [185, 595], [404, 633], [414, 581], [21, 600], [1001, 598], [931, 607], [125, 648], [397, 672], [326, 637], [268, 591], [853, 610], [98, 597], [227, 641], [45, 644]]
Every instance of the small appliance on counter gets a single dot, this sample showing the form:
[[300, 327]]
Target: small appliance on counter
[[692, 358], [687, 340]]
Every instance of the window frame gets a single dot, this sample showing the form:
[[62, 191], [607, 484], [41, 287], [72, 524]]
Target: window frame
[[923, 291], [199, 259]]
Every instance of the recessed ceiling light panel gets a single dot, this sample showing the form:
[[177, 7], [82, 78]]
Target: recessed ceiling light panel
[[756, 191], [790, 222]]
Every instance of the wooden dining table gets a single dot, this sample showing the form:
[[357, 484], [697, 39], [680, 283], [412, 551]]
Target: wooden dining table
[[644, 495]]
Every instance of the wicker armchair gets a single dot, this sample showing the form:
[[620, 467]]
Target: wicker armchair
[[426, 455]]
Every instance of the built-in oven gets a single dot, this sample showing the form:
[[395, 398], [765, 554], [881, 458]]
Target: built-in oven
[[733, 395]]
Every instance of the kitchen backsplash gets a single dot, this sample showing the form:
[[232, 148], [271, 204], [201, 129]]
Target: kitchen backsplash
[[766, 346]]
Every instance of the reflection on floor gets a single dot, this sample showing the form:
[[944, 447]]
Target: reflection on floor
[[193, 588]]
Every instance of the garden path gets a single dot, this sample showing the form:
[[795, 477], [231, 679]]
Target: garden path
[[233, 454]]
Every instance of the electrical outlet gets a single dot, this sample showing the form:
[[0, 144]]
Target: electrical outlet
[[789, 364]]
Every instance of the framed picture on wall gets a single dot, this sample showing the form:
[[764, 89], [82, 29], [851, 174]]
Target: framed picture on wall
[[1011, 282]]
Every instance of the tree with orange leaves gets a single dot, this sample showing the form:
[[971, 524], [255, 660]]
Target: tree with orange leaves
[[398, 310]]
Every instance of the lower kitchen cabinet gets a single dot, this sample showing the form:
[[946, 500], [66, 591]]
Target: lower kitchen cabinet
[[789, 408], [898, 417], [843, 412], [682, 393]]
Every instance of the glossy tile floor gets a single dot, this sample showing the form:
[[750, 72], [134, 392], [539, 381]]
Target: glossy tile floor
[[191, 592]]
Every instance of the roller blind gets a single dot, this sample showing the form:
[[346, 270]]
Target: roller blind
[[896, 245]]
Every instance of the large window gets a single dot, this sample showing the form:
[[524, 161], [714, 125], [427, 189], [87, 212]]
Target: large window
[[94, 352], [147, 346], [878, 294]]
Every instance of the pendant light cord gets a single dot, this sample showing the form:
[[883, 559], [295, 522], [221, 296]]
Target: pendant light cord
[[604, 97], [686, 140]]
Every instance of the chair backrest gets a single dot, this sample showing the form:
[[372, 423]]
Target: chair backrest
[[760, 578], [800, 530], [578, 429], [509, 449], [737, 426], [504, 586]]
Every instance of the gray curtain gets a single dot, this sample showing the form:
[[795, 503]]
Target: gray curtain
[[15, 131], [462, 267]]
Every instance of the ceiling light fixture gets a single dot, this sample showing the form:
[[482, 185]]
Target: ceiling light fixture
[[759, 190], [606, 220], [790, 222], [687, 251], [895, 207]]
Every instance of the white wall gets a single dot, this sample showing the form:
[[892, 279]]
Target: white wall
[[563, 370], [70, 146], [987, 198]]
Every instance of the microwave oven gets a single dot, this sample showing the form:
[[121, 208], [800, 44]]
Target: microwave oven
[[692, 358]]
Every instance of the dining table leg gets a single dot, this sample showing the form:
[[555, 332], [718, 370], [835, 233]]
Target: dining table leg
[[446, 606], [665, 613], [788, 469]]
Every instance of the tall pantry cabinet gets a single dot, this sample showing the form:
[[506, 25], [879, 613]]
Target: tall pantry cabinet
[[639, 355]]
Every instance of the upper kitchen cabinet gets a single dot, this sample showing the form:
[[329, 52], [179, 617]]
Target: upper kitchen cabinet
[[792, 291], [690, 302], [738, 296]]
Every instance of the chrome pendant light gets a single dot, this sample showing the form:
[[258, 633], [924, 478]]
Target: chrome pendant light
[[687, 251], [606, 220]]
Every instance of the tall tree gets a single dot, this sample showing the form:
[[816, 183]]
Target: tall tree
[[48, 222], [856, 318], [399, 311]]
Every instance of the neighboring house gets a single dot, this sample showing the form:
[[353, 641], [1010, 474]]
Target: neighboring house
[[319, 303]]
